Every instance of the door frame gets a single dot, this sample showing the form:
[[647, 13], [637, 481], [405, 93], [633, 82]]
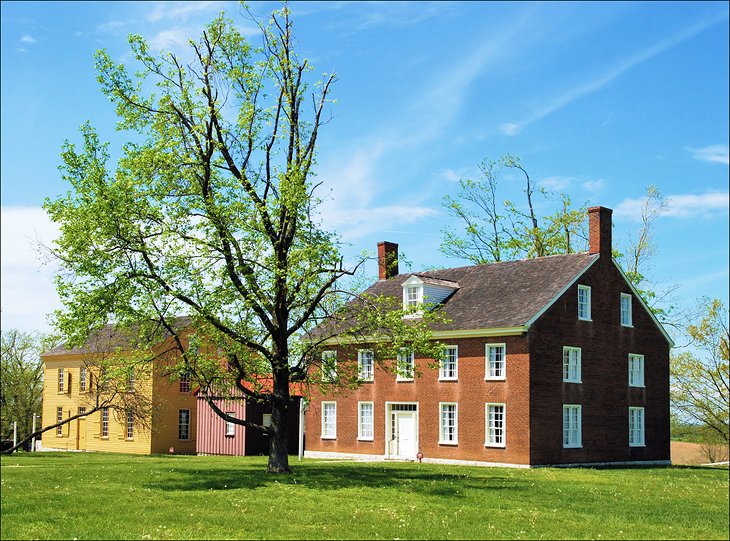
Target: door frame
[[389, 453]]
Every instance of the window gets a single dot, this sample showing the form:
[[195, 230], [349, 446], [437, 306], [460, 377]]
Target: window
[[365, 421], [104, 422], [82, 379], [103, 380], [183, 425], [60, 380], [495, 357], [636, 427], [448, 368], [365, 367], [626, 318], [495, 425], [571, 364], [448, 433], [266, 420], [82, 410], [185, 384], [130, 425], [572, 426], [329, 365], [584, 303], [413, 297], [329, 420], [636, 370], [231, 427], [59, 418], [405, 366], [130, 381]]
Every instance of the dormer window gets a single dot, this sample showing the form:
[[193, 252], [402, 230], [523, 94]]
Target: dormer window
[[414, 297], [418, 290]]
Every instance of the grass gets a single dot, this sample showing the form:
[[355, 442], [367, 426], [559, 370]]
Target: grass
[[110, 496]]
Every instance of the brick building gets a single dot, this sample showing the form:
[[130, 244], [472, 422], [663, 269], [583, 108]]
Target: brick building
[[553, 360]]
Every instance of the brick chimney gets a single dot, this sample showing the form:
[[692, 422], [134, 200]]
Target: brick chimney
[[599, 231], [387, 260]]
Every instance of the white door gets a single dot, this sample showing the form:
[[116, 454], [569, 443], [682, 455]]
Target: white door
[[406, 435]]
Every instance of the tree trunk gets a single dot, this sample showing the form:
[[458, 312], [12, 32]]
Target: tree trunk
[[278, 439]]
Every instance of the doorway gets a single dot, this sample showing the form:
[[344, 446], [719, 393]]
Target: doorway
[[402, 430]]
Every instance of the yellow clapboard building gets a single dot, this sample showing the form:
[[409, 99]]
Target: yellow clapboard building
[[160, 418]]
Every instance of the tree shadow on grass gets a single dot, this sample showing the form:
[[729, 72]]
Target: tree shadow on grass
[[326, 476]]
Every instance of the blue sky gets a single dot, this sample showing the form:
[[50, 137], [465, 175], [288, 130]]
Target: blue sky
[[599, 100]]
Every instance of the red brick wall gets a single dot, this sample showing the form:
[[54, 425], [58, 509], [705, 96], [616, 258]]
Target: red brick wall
[[471, 392], [604, 392]]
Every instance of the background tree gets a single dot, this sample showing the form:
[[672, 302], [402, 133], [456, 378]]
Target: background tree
[[211, 214], [21, 380], [700, 382], [496, 231]]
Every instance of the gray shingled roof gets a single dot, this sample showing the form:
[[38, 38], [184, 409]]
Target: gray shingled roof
[[111, 338], [496, 295]]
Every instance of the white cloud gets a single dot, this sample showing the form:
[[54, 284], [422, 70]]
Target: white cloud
[[557, 183], [711, 153], [26, 291], [25, 38], [704, 205], [170, 40], [180, 10], [589, 87], [355, 223], [594, 186]]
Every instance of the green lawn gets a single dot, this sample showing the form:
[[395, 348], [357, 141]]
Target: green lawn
[[109, 496]]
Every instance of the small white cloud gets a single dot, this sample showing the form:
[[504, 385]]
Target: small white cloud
[[179, 10], [510, 128], [172, 39], [355, 223], [704, 205], [557, 183], [711, 153], [449, 175], [25, 38], [594, 186]]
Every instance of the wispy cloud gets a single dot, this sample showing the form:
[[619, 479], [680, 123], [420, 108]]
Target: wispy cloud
[[594, 186], [180, 11], [27, 291], [353, 224], [706, 205], [25, 38], [170, 40], [597, 83], [557, 183], [711, 153]]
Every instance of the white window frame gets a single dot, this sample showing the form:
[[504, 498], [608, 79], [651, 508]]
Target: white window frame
[[637, 435], [230, 426], [61, 381], [442, 427], [404, 356], [629, 322], [82, 379], [266, 420], [579, 369], [329, 366], [184, 386], [442, 373], [574, 433], [104, 433], [488, 362], [130, 425], [587, 290], [634, 359], [180, 425], [410, 304], [130, 381], [489, 436], [361, 434], [325, 435], [59, 418], [362, 356]]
